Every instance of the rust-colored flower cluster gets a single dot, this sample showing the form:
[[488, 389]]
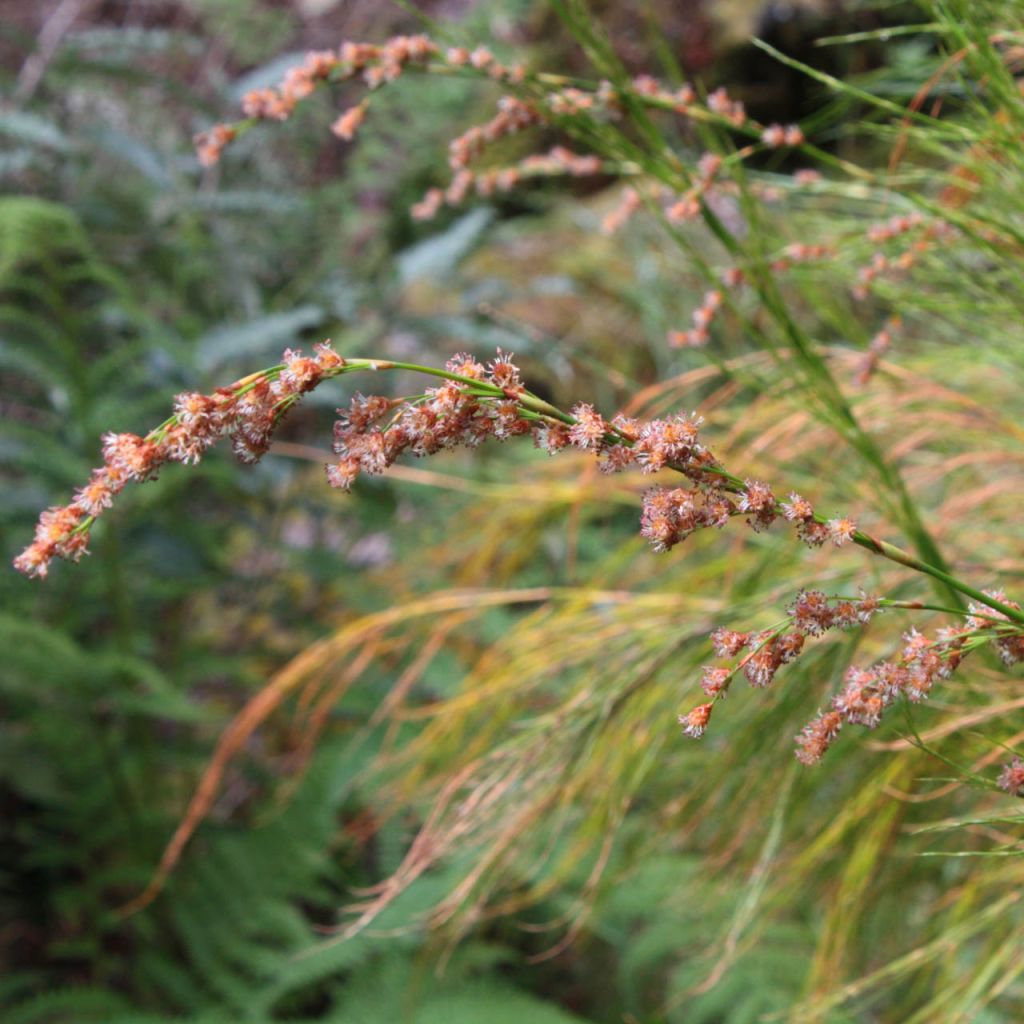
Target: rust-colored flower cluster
[[877, 348], [811, 615], [721, 103], [448, 416], [472, 403], [482, 59], [812, 530], [688, 206], [557, 161], [671, 515], [703, 316], [374, 64], [298, 83], [776, 136], [523, 106], [278, 103], [246, 411], [930, 233], [802, 252], [1009, 644], [1011, 778], [629, 202], [867, 692], [513, 116], [348, 123], [896, 225]]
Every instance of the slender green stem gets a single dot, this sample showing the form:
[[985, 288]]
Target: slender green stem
[[918, 606], [895, 554], [355, 365], [538, 405]]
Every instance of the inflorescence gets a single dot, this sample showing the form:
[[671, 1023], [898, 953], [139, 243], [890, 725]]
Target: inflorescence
[[548, 101], [474, 402], [867, 693]]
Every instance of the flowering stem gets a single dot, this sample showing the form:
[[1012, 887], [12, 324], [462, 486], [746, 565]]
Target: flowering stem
[[918, 606], [895, 554], [530, 407], [869, 543], [879, 547]]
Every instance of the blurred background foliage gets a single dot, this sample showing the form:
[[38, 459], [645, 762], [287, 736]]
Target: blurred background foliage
[[697, 882]]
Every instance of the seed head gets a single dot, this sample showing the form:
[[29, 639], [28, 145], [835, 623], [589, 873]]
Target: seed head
[[1011, 778], [346, 126], [841, 530], [589, 430], [695, 722], [715, 680], [728, 643], [817, 737], [811, 612], [758, 500]]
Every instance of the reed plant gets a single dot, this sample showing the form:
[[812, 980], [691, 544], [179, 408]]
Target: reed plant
[[843, 386]]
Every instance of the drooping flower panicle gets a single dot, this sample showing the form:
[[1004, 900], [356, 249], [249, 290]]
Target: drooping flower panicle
[[246, 412], [866, 693]]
